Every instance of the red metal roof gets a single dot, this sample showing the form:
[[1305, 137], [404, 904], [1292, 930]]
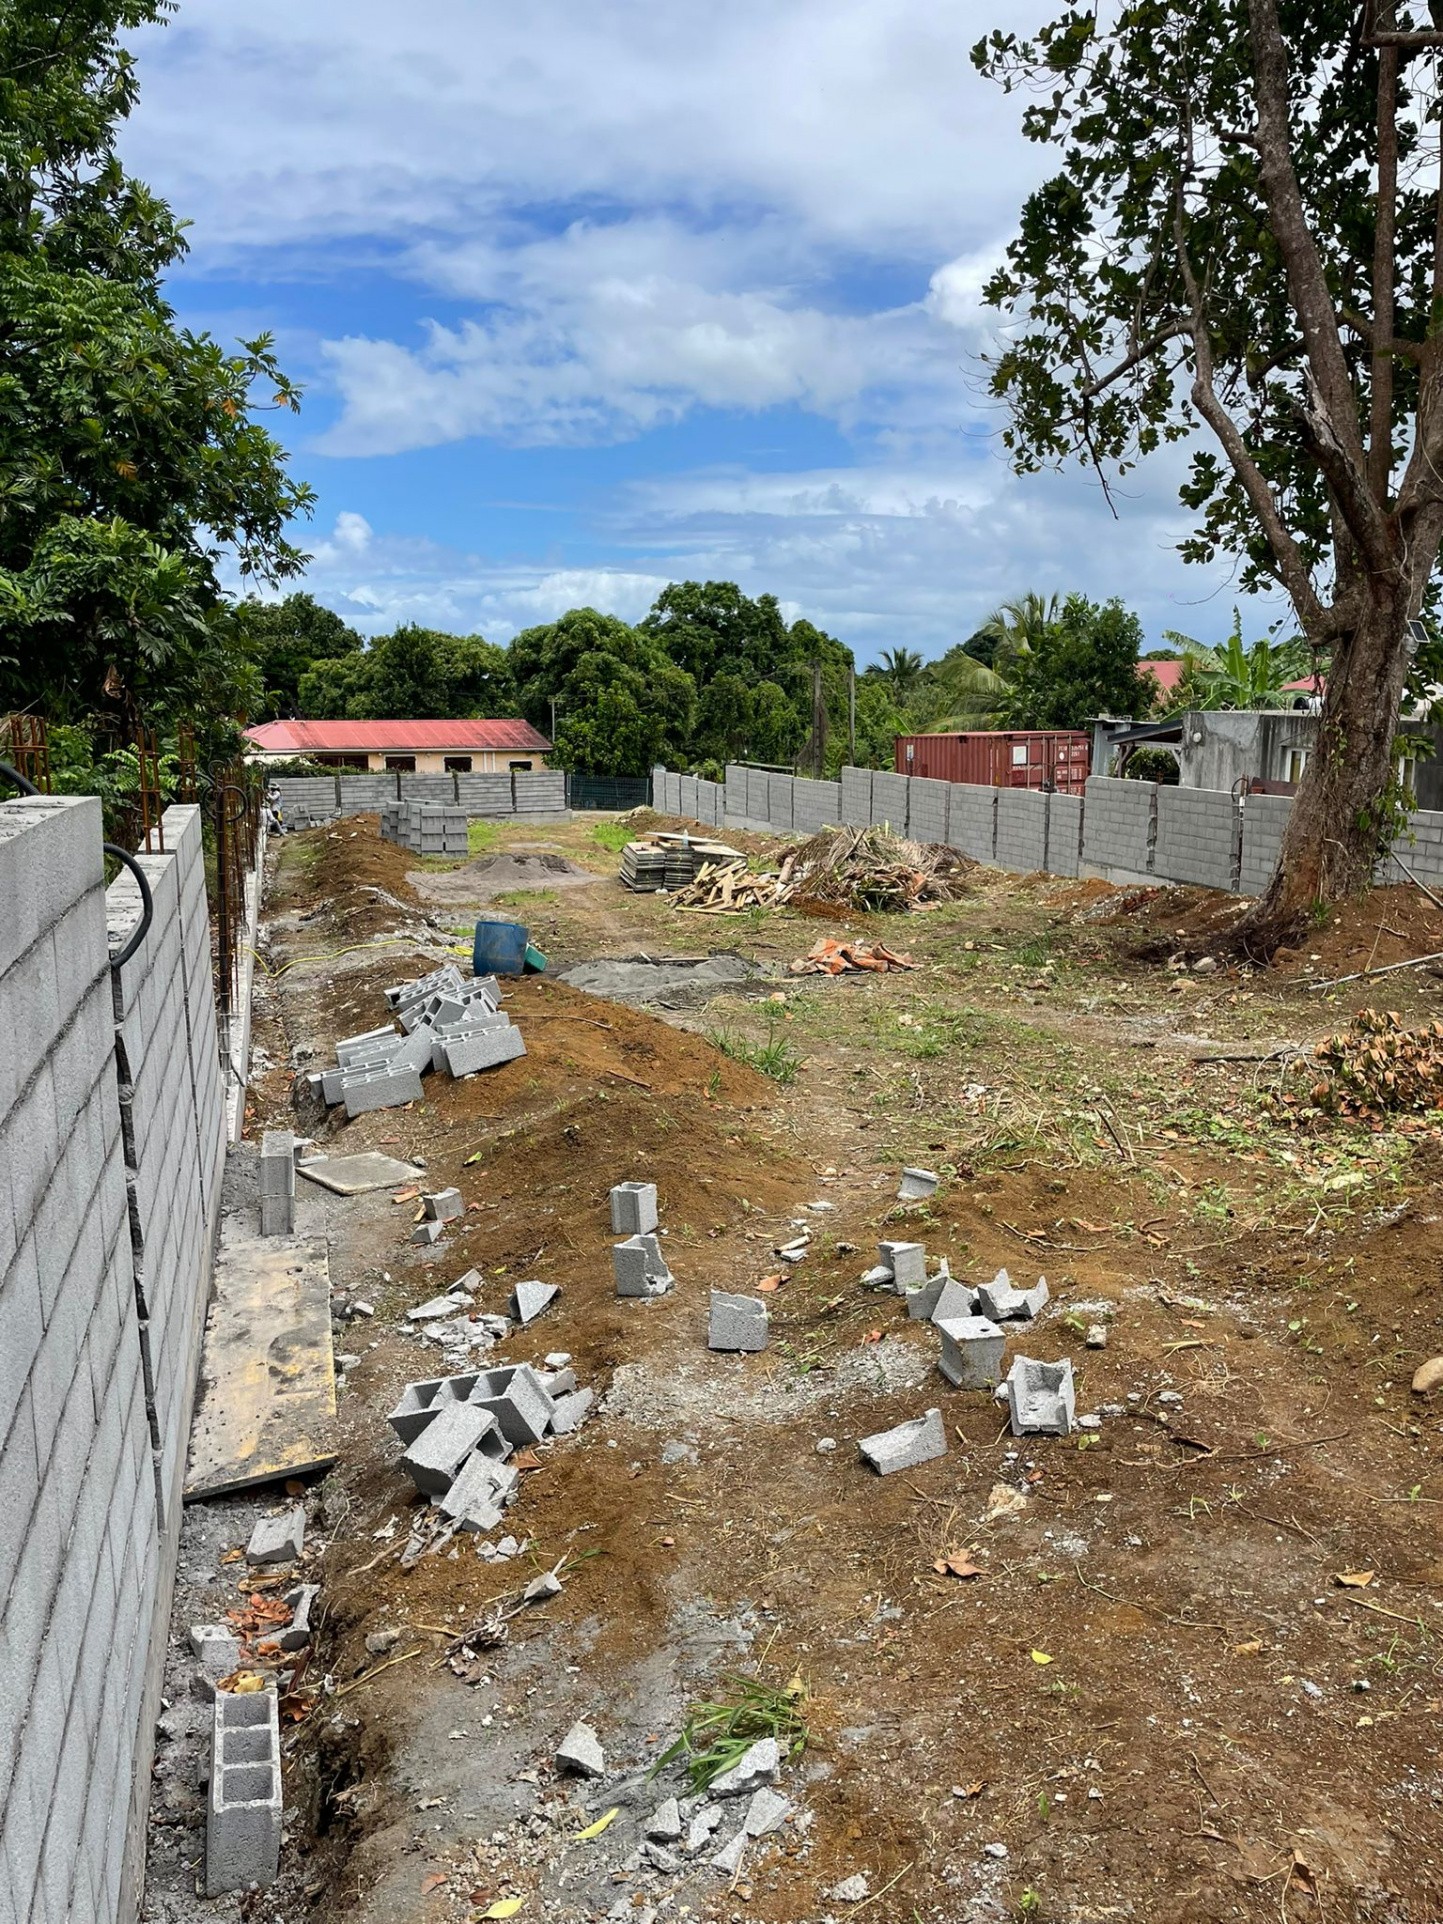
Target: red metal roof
[[394, 737], [1167, 674]]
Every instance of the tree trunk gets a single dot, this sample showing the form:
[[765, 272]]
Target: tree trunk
[[1336, 829]]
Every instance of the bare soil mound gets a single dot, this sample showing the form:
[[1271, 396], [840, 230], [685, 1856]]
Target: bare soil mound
[[492, 875]]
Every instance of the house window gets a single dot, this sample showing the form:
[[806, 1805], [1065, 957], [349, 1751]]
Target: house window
[[457, 764], [1297, 762], [520, 768], [404, 764]]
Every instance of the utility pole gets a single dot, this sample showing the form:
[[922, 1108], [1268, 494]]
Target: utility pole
[[852, 716], [819, 722]]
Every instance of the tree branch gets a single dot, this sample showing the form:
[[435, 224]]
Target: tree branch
[[1380, 412], [1139, 354], [1292, 569]]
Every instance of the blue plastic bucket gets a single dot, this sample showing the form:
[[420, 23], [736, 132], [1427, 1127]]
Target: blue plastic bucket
[[499, 949]]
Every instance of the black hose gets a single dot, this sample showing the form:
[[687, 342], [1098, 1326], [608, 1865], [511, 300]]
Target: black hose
[[147, 903], [14, 775]]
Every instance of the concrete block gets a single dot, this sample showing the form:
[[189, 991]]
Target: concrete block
[[922, 1301], [1041, 1397], [485, 1049], [373, 1046], [529, 1299], [580, 1752], [444, 1205], [216, 1645], [760, 1764], [639, 1267], [633, 1208], [381, 1089], [278, 1539], [476, 1023], [972, 1348], [419, 1403], [474, 1500], [515, 1398], [571, 1411], [433, 1458], [917, 1185], [736, 1322], [1005, 1304], [907, 1262], [415, 1050], [427, 1232], [243, 1821], [297, 1633], [278, 1163], [906, 1446], [954, 1299], [278, 1215]]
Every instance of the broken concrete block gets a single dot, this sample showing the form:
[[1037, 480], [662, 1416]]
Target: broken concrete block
[[1003, 1303], [922, 1301], [474, 1499], [633, 1208], [767, 1812], [444, 1205], [297, 1633], [878, 1277], [217, 1646], [483, 1049], [529, 1299], [278, 1539], [736, 1322], [639, 1267], [418, 1405], [1096, 1337], [427, 1232], [907, 1262], [438, 1308], [1041, 1397], [904, 1447], [971, 1351], [541, 1589], [917, 1185], [557, 1382], [571, 1411], [433, 1459], [380, 1089], [759, 1765], [243, 1819], [664, 1824], [515, 1397], [580, 1752], [955, 1299], [728, 1860]]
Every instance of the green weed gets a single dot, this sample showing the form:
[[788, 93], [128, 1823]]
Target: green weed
[[613, 836], [775, 1057], [715, 1736], [481, 837]]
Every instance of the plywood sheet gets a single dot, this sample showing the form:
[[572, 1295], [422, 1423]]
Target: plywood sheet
[[267, 1405]]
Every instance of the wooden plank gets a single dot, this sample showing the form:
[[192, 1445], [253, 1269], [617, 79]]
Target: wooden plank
[[267, 1407]]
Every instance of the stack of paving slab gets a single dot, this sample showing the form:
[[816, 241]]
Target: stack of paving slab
[[459, 1431], [447, 1022], [426, 828]]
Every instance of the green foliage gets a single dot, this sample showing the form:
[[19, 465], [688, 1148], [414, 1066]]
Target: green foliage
[[612, 836], [287, 638], [717, 1735], [1080, 664], [621, 704], [775, 1057], [129, 455], [1236, 675]]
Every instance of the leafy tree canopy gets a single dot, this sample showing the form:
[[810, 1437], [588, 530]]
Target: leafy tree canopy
[[1083, 663], [287, 638], [621, 703], [130, 457]]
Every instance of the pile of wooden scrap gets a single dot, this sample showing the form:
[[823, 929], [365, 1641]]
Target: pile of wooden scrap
[[830, 957], [721, 888], [871, 869]]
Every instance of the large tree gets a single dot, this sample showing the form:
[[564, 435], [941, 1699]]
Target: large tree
[[1246, 235], [288, 638], [621, 704], [130, 458]]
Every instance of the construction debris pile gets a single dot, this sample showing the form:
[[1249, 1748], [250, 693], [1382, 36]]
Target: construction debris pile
[[447, 1022], [426, 828], [449, 1321], [831, 957], [459, 1433], [1379, 1068], [864, 869], [671, 860]]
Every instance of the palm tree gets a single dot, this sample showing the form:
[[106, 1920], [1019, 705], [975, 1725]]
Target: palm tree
[[1017, 626], [975, 695], [903, 668], [1235, 675]]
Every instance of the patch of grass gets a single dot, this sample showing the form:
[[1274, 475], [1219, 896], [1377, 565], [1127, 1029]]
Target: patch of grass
[[523, 898], [482, 837], [775, 1057], [613, 836], [715, 1736]]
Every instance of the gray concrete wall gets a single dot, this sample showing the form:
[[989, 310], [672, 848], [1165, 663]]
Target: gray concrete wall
[[426, 788], [360, 794], [484, 797], [779, 803], [1021, 829], [757, 803], [972, 820], [1421, 847], [927, 809], [686, 798], [815, 806], [856, 791], [735, 791], [541, 791], [889, 801], [1198, 837], [1117, 825], [309, 794], [111, 1142], [1264, 819], [1064, 835]]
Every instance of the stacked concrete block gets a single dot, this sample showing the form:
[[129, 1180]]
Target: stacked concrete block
[[927, 804], [736, 1322], [1041, 1398], [449, 1023], [856, 793], [460, 1430], [278, 1182], [640, 1268], [1064, 835], [1119, 826], [243, 1818], [364, 1091], [1021, 829], [425, 827], [815, 806], [972, 820], [1199, 837], [633, 1208], [1265, 817], [363, 794], [889, 801], [972, 1348], [779, 803]]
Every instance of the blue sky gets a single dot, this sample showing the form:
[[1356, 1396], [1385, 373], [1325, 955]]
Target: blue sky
[[587, 298]]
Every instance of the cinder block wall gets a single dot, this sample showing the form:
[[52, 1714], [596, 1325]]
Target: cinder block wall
[[1064, 835], [735, 791], [486, 796], [856, 792], [1421, 847], [815, 806], [311, 794], [101, 1308], [889, 801], [1197, 837], [779, 802], [1264, 819], [425, 788], [541, 791], [687, 799], [360, 794], [927, 809], [1117, 824], [1021, 829], [972, 820]]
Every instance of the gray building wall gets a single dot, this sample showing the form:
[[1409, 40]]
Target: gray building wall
[[111, 1144]]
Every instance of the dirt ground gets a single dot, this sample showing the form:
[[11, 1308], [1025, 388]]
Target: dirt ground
[[1159, 1700]]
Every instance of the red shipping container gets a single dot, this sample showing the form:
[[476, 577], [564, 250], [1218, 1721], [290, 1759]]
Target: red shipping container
[[1058, 758]]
